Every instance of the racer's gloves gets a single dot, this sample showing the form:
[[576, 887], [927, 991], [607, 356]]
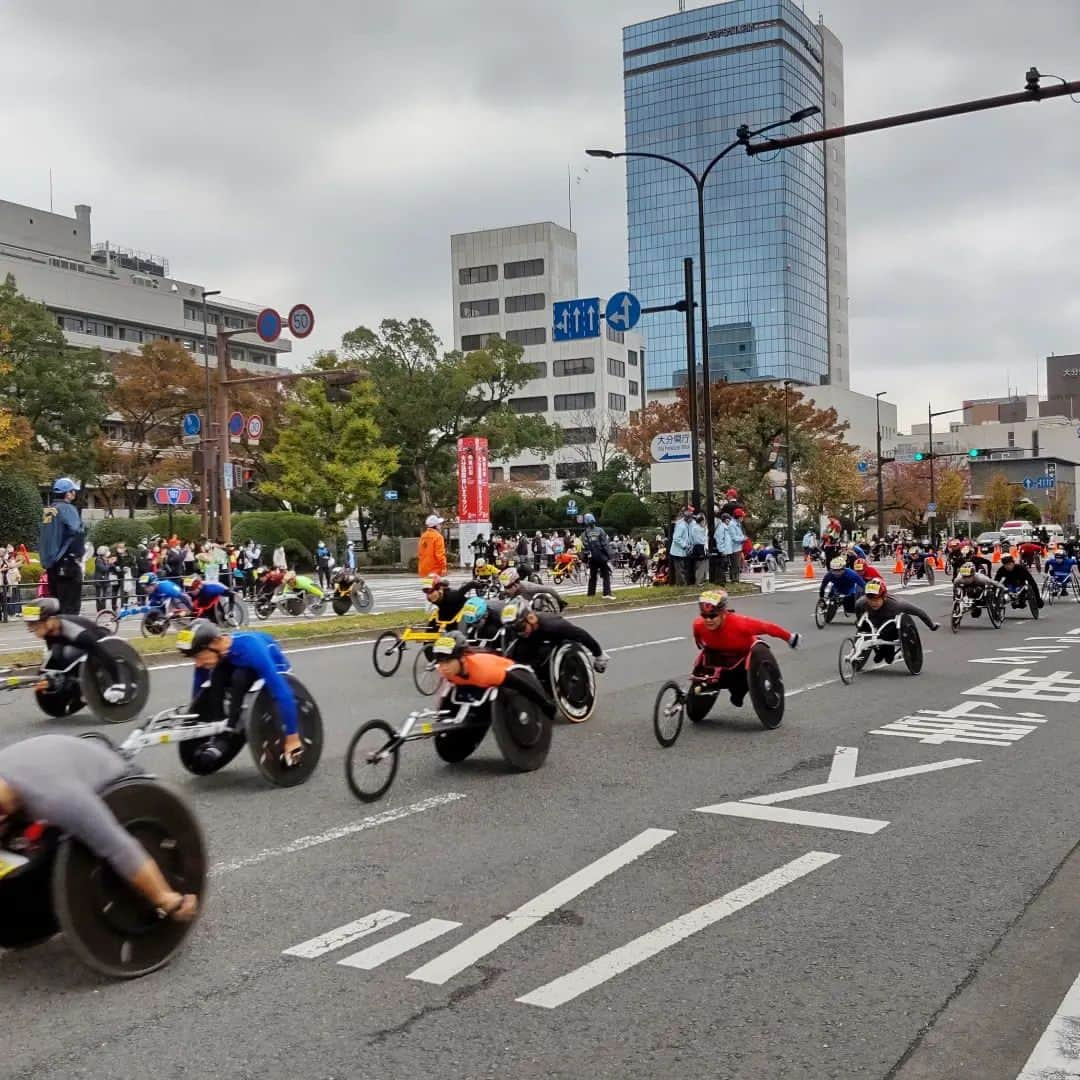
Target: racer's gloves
[[115, 693], [936, 626], [794, 640], [600, 662]]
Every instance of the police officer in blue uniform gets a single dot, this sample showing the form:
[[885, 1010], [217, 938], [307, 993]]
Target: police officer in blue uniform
[[61, 544]]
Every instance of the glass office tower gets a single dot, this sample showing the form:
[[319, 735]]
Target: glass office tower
[[775, 231]]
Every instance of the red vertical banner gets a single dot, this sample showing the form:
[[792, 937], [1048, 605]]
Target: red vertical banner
[[473, 497], [483, 494]]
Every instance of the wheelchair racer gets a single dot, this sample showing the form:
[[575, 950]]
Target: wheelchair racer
[[846, 584], [298, 583], [205, 596], [866, 571], [972, 583], [513, 584], [879, 608], [539, 633], [166, 595], [725, 637], [1061, 567], [915, 558], [59, 779], [464, 666], [481, 625], [235, 663], [60, 632], [1017, 579], [447, 600]]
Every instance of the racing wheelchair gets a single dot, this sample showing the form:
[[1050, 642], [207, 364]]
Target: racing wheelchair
[[1055, 588], [882, 645], [1024, 597], [82, 682], [53, 884], [458, 726], [349, 590], [390, 648], [967, 602], [259, 728], [918, 567], [675, 702], [827, 606]]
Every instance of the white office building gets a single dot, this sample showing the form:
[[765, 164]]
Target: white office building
[[116, 298], [504, 282]]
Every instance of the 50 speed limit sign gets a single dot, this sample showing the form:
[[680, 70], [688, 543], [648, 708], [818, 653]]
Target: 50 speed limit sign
[[301, 320]]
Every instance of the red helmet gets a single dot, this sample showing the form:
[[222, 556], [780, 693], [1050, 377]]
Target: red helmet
[[740, 512]]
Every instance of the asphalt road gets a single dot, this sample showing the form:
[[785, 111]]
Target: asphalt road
[[588, 919]]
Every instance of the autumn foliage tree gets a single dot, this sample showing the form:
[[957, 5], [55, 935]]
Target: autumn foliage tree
[[998, 498]]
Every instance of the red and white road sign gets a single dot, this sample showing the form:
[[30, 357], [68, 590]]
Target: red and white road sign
[[254, 428], [301, 320]]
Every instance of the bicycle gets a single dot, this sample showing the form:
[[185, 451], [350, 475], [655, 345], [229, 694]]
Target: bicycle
[[855, 651], [390, 648]]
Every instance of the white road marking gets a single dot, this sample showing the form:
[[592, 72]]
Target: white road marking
[[400, 943], [345, 935], [787, 816], [811, 686], [643, 644], [485, 941], [844, 761], [606, 967], [1056, 1054], [302, 843]]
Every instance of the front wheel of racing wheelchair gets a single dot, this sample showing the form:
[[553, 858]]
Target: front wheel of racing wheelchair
[[67, 888], [825, 611], [572, 680]]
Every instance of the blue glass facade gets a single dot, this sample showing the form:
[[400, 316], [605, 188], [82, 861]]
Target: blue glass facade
[[690, 80]]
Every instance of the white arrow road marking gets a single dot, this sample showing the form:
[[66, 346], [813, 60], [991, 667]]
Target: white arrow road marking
[[456, 960], [605, 967], [786, 816], [401, 942], [345, 935], [844, 760]]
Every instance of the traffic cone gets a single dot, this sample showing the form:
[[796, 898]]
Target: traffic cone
[[940, 563], [899, 567], [996, 557], [808, 573]]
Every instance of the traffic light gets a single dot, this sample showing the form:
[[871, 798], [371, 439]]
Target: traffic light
[[920, 456], [982, 453]]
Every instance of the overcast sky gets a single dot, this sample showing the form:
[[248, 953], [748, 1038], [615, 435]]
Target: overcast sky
[[326, 151]]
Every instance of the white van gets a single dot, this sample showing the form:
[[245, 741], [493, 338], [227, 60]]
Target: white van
[[1057, 533], [1016, 532]]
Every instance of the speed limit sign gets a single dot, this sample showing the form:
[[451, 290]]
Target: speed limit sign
[[301, 320]]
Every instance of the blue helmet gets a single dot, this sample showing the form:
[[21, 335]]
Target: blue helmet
[[474, 611], [590, 519], [148, 579], [64, 485]]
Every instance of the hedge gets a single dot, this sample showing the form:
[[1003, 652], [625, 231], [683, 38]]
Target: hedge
[[20, 510], [298, 557], [185, 526], [272, 527], [110, 531]]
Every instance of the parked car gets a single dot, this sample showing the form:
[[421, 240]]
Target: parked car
[[986, 541]]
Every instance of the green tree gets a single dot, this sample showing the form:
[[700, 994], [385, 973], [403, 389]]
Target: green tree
[[826, 481], [1027, 510], [624, 511], [428, 398], [330, 450], [20, 509], [59, 390], [998, 498]]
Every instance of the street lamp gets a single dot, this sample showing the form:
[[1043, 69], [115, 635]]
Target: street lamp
[[932, 517], [207, 515], [880, 490], [787, 466], [743, 137]]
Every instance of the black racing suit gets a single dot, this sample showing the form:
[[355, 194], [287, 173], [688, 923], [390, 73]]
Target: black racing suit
[[530, 590], [889, 610], [82, 634], [453, 600], [536, 647], [1018, 576]]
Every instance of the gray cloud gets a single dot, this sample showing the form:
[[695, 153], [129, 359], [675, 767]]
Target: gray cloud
[[326, 151]]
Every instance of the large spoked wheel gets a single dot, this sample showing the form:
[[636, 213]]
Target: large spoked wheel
[[455, 746], [266, 735], [387, 654], [108, 621], [848, 667], [956, 616], [545, 602], [905, 578], [820, 609], [371, 761], [995, 609], [766, 685], [264, 607], [154, 623], [362, 598], [573, 682], [234, 612], [667, 717], [425, 674], [107, 924], [522, 730], [94, 680], [1049, 592], [929, 573], [911, 644]]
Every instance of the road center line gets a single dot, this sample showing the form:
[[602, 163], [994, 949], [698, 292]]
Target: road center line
[[302, 843], [643, 644]]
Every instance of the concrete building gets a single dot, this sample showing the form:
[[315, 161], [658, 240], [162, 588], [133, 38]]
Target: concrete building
[[1062, 387], [504, 282], [776, 233], [113, 298]]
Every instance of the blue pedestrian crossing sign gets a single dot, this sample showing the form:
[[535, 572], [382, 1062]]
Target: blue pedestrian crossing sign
[[623, 311], [574, 320], [571, 507]]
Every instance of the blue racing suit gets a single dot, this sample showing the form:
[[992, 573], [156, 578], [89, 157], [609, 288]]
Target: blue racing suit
[[165, 591], [1061, 566], [251, 656], [207, 593], [846, 585]]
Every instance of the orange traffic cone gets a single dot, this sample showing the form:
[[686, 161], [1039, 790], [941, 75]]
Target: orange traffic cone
[[996, 557], [899, 567], [808, 573], [1014, 551], [940, 563]]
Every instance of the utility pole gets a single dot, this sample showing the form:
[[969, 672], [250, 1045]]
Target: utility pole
[[880, 486]]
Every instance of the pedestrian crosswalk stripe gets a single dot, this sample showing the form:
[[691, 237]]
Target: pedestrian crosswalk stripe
[[345, 935], [402, 942]]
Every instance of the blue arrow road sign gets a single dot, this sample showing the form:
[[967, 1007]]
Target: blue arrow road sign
[[1040, 483], [863, 466], [623, 311], [390, 496], [192, 424], [573, 320]]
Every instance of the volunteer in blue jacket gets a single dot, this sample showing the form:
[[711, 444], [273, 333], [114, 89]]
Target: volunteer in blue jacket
[[61, 545]]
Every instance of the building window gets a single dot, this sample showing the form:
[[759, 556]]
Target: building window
[[835, 100], [525, 268], [615, 335], [616, 367], [617, 402], [631, 357], [191, 313], [633, 388], [574, 470], [127, 333], [536, 370], [530, 302], [472, 342], [473, 309], [839, 349], [530, 472], [529, 404], [576, 365], [477, 275], [1012, 438], [567, 402], [536, 335], [579, 436]]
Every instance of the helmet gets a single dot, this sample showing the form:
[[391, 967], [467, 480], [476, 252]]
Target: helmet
[[590, 519], [838, 563], [474, 611], [966, 569], [709, 603], [146, 580], [102, 552], [290, 576], [201, 635], [450, 645], [1006, 556], [436, 581], [876, 587], [63, 485], [965, 549], [46, 608], [509, 577], [194, 582], [859, 566], [514, 612], [913, 550]]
